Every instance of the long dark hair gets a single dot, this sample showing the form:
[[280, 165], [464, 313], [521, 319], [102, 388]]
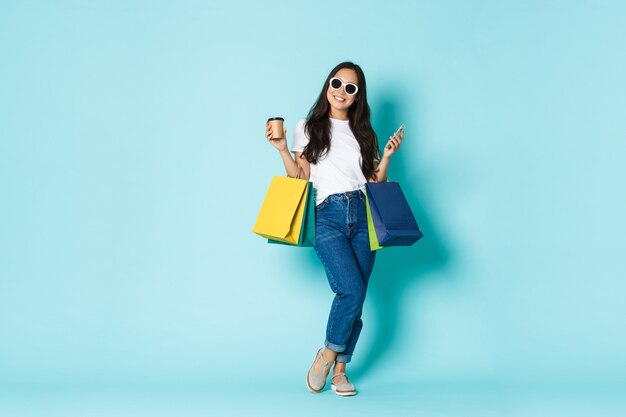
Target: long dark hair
[[317, 125]]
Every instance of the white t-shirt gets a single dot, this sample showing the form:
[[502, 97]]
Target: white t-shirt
[[338, 170]]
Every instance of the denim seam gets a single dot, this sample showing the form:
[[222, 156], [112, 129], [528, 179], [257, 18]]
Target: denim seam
[[348, 215], [333, 284], [332, 322]]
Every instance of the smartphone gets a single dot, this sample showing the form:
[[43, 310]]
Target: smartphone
[[399, 129], [397, 132]]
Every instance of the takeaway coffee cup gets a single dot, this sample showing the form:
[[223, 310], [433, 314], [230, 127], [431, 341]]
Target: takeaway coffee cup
[[276, 123]]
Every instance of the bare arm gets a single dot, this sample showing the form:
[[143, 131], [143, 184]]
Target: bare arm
[[381, 170], [390, 148], [292, 167]]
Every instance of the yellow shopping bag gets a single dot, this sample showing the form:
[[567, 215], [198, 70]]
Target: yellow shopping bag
[[282, 211]]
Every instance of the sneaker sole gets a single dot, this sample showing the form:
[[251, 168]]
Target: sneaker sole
[[342, 393]]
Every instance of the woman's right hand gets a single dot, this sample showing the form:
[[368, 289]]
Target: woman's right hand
[[280, 144]]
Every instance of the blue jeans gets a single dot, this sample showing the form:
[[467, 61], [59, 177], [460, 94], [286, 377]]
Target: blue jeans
[[342, 244]]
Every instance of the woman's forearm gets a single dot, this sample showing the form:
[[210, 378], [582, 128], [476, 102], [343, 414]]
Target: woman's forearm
[[381, 171], [291, 167]]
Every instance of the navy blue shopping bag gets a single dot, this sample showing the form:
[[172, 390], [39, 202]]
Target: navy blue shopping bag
[[393, 219]]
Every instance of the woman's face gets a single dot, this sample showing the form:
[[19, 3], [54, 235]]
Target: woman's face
[[339, 101]]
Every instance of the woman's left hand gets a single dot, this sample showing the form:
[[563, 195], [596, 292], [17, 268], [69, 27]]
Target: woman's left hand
[[393, 144]]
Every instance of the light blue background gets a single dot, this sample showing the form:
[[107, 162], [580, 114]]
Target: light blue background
[[133, 165]]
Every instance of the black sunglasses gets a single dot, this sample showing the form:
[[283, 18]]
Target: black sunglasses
[[350, 88]]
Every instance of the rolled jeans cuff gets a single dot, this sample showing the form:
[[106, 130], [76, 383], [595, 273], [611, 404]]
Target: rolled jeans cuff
[[343, 358], [334, 347]]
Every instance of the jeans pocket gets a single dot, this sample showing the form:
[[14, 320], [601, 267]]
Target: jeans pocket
[[323, 204]]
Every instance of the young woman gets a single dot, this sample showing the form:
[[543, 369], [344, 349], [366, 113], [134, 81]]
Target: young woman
[[337, 150]]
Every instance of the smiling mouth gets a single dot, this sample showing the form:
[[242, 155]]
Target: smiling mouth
[[339, 99]]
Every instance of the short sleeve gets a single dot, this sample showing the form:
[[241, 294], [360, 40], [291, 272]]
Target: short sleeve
[[300, 139]]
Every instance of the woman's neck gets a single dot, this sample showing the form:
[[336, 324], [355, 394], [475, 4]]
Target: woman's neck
[[338, 114]]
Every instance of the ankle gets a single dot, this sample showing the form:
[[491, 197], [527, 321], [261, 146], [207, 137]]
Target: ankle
[[329, 355], [339, 368]]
